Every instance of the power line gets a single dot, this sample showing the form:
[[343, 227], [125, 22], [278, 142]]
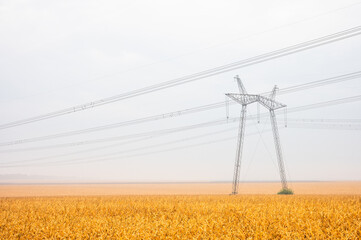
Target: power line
[[111, 157], [350, 123], [326, 103], [189, 127], [135, 149], [353, 127], [132, 150], [130, 156], [318, 83], [299, 87], [195, 51], [322, 120], [197, 76], [111, 139], [128, 123], [29, 149]]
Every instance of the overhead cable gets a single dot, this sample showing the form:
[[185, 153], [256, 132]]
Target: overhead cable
[[291, 89], [114, 156], [197, 76], [189, 127]]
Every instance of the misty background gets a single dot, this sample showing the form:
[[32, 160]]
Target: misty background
[[60, 54]]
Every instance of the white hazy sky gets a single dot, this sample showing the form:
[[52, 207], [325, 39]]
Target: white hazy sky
[[58, 54]]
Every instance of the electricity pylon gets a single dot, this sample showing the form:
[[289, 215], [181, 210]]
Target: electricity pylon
[[268, 102]]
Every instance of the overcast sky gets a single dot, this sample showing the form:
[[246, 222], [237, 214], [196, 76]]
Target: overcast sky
[[59, 54]]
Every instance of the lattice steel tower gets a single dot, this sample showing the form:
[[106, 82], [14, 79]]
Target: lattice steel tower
[[268, 102]]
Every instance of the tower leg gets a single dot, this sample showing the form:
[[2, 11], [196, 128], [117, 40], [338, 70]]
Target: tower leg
[[278, 149], [237, 165]]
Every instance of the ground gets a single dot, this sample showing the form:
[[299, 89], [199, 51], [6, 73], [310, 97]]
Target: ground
[[320, 210]]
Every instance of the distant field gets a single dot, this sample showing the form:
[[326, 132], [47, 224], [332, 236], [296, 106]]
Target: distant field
[[339, 188]]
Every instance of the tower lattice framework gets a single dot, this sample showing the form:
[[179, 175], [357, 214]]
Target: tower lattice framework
[[269, 103]]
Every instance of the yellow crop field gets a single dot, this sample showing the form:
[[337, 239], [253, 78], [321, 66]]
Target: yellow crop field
[[182, 217]]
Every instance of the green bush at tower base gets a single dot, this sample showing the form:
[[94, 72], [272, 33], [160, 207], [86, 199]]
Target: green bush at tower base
[[285, 191]]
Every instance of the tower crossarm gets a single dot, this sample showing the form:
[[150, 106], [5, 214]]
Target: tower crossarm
[[243, 99], [269, 103]]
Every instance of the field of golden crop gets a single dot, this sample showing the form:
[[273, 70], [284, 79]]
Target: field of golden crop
[[182, 217]]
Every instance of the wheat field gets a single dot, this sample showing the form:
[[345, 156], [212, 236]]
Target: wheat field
[[182, 217]]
